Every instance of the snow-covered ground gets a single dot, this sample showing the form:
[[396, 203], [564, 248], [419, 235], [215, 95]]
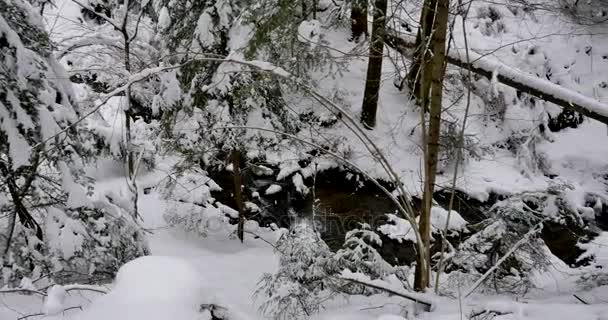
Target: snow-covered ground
[[186, 270]]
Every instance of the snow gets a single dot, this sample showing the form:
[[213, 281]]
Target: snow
[[390, 317], [439, 218], [54, 301], [186, 271], [557, 91], [152, 288], [298, 182], [398, 229], [164, 20], [275, 188], [309, 32], [204, 30]]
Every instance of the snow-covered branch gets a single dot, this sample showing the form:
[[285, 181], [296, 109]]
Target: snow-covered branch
[[382, 286], [140, 76], [85, 287], [97, 39], [22, 291], [512, 77]]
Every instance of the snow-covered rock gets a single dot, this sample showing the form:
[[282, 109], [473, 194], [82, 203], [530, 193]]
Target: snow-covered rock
[[153, 288]]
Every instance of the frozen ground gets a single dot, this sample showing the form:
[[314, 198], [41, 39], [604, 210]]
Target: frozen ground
[[186, 271]]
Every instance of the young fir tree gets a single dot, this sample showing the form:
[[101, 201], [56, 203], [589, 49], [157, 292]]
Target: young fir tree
[[296, 290], [54, 223], [359, 254], [509, 221]]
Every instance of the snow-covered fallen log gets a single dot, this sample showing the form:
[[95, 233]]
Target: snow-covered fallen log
[[418, 298], [488, 67]]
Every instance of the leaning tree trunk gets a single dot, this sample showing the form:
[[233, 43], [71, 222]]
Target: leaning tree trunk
[[358, 19], [431, 61], [374, 66]]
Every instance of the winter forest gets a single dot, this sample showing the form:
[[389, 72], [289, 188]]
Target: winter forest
[[303, 159]]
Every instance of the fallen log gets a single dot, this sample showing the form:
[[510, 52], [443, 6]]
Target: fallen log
[[420, 299], [486, 66]]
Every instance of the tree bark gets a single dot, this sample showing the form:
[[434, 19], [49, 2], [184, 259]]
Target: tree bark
[[431, 61], [358, 19], [374, 67], [238, 194]]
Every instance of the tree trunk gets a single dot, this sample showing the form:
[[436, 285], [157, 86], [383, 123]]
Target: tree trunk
[[418, 81], [358, 19], [431, 63], [374, 66], [304, 10], [238, 195]]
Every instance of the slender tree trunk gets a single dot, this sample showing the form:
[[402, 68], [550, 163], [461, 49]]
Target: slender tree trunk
[[130, 162], [238, 194], [304, 10], [431, 64], [358, 19], [374, 66]]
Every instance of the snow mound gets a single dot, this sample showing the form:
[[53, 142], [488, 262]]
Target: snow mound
[[390, 317], [275, 188], [439, 218], [159, 278], [310, 32], [400, 229], [152, 288]]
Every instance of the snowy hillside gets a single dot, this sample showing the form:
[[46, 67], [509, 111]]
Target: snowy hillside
[[210, 160]]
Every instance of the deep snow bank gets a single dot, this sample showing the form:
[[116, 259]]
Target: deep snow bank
[[153, 288]]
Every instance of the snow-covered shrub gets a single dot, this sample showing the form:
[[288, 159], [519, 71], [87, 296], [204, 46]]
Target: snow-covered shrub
[[359, 254], [54, 223], [84, 245], [299, 286], [188, 195], [509, 221]]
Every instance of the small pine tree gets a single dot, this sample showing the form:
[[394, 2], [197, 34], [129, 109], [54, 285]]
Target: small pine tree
[[296, 290], [359, 254], [509, 221]]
